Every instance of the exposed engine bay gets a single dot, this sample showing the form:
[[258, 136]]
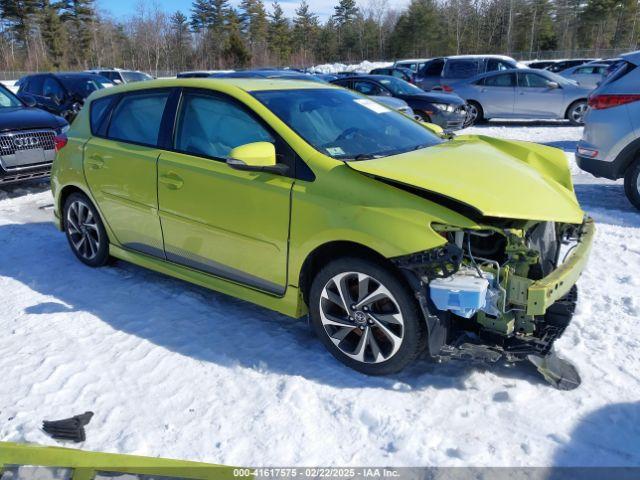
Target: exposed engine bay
[[478, 294]]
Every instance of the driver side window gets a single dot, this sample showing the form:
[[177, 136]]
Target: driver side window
[[52, 88], [367, 88], [212, 126]]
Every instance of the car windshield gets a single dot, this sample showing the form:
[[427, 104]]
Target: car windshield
[[8, 99], [135, 76], [400, 87], [344, 125]]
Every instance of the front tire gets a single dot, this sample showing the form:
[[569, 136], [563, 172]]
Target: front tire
[[85, 231], [632, 183], [366, 317], [577, 111]]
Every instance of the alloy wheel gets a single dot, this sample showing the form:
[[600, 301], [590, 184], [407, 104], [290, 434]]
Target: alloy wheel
[[82, 229], [361, 317], [472, 115], [577, 113]]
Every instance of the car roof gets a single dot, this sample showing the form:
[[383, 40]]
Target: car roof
[[244, 84], [632, 57], [500, 57]]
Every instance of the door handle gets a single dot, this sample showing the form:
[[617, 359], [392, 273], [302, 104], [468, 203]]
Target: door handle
[[95, 161], [171, 180]]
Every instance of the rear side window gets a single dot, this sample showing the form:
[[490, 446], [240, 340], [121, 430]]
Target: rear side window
[[505, 80], [212, 126], [97, 113], [137, 118], [433, 68], [619, 71], [461, 68]]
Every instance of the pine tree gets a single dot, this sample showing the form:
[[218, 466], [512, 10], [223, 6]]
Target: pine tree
[[305, 32], [255, 26], [53, 33], [235, 52], [201, 15], [79, 15], [279, 35], [180, 39], [18, 16]]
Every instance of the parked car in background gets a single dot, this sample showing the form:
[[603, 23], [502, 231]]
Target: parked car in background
[[62, 93], [402, 73], [540, 64], [610, 144], [414, 64], [587, 75], [201, 73], [119, 75], [29, 138], [523, 93], [438, 72], [306, 198], [445, 110], [394, 103], [561, 65]]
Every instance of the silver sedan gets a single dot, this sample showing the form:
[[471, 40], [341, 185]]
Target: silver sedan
[[588, 75], [522, 93]]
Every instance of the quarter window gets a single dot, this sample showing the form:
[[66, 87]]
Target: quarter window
[[97, 110], [213, 126], [137, 118]]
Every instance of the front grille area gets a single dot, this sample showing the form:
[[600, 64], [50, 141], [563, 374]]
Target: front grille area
[[12, 142]]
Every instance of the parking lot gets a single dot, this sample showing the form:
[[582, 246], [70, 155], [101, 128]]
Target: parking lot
[[174, 370]]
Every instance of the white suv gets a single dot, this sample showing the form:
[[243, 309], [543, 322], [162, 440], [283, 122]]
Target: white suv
[[610, 145]]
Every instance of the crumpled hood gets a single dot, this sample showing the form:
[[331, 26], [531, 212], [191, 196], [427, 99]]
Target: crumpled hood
[[499, 178]]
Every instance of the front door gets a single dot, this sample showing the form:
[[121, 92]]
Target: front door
[[121, 171], [229, 223], [536, 99]]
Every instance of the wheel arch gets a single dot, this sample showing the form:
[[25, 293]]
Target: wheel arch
[[332, 250], [566, 112]]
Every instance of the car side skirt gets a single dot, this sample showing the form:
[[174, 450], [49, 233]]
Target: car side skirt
[[290, 303]]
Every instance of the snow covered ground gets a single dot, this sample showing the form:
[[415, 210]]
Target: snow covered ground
[[175, 370]]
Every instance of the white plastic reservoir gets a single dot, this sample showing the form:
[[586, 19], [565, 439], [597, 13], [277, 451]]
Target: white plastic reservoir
[[462, 293]]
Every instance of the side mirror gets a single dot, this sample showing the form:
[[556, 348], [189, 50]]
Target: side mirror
[[553, 85], [28, 100], [256, 157]]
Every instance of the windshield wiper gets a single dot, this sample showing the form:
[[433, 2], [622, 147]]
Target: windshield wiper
[[364, 156]]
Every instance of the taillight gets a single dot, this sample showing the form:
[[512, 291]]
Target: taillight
[[60, 141], [600, 102], [447, 88]]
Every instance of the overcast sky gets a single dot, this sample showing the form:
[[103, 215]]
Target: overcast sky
[[324, 8]]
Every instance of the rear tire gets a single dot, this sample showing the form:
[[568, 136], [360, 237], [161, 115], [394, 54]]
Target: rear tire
[[85, 231], [366, 316], [632, 183], [576, 111]]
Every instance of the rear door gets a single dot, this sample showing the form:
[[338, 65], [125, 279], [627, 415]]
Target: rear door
[[536, 99], [229, 223], [497, 94], [120, 166]]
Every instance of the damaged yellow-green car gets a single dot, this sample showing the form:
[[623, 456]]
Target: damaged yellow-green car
[[301, 197]]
